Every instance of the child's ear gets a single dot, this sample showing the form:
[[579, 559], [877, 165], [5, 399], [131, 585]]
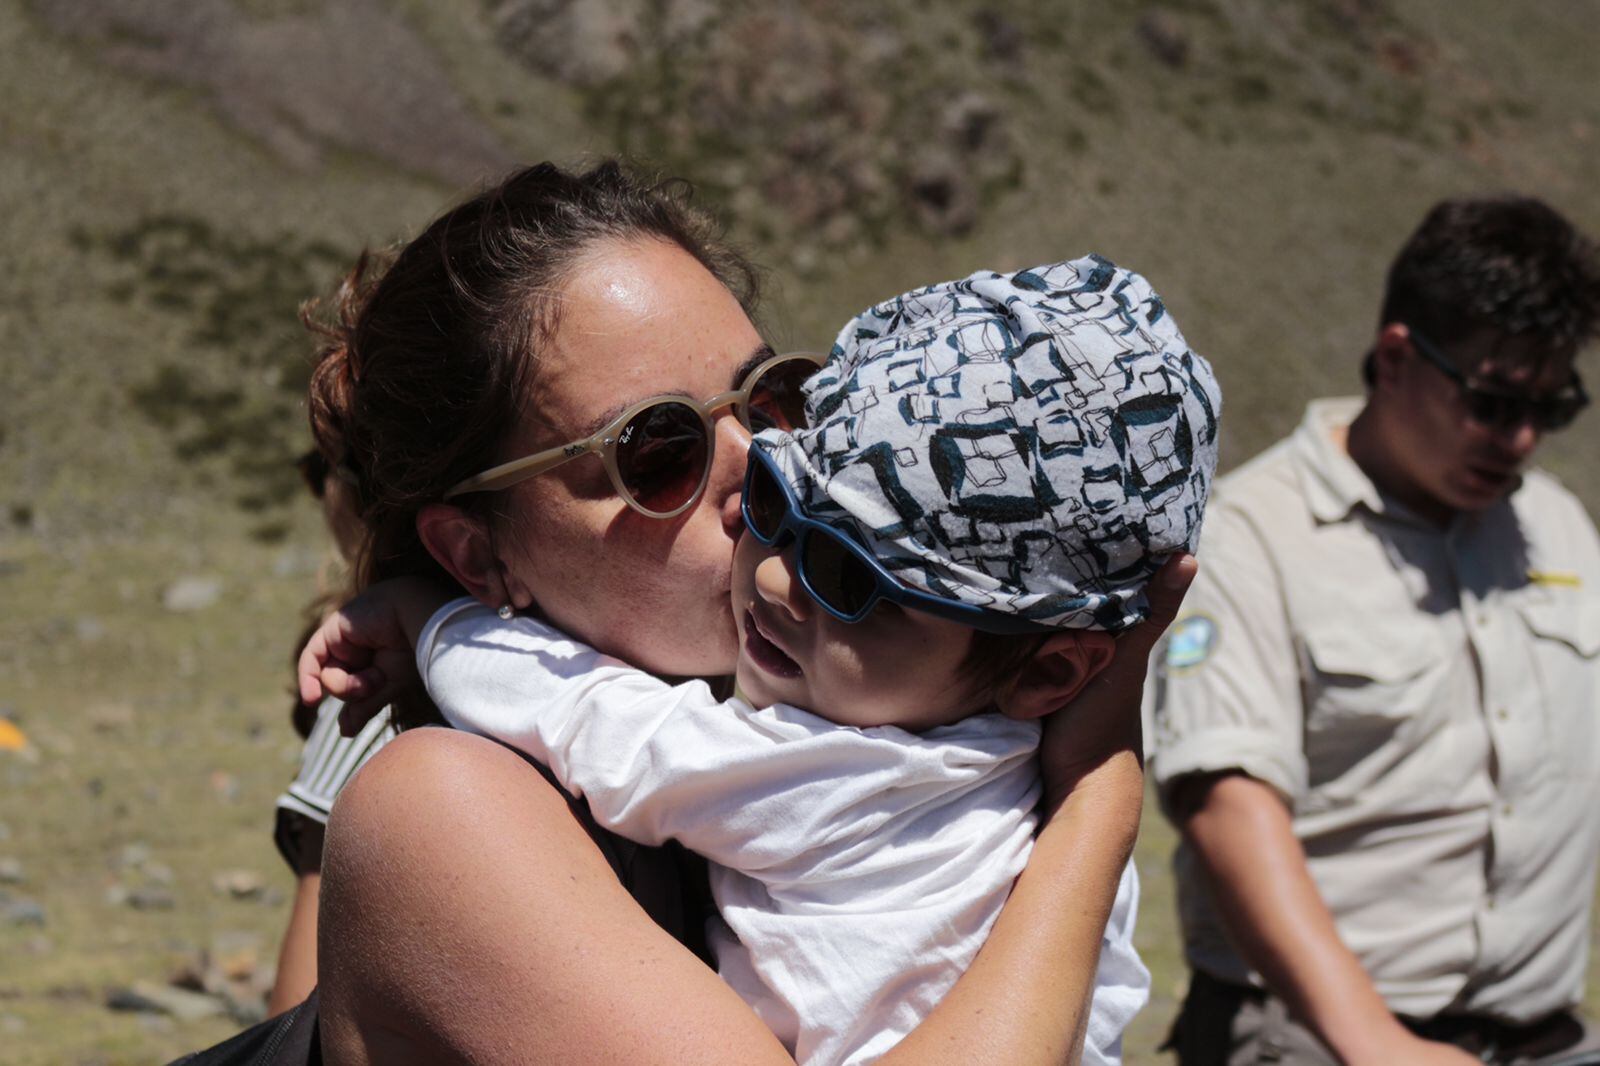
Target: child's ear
[[461, 544], [1055, 674]]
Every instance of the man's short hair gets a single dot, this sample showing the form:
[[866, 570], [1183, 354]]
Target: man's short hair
[[1509, 264]]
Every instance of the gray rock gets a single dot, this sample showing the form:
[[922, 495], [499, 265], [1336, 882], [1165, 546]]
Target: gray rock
[[11, 872], [90, 629], [25, 912], [152, 898], [12, 1025], [158, 873], [192, 593], [147, 997], [580, 43], [239, 884], [235, 955], [246, 1006], [134, 854], [111, 717]]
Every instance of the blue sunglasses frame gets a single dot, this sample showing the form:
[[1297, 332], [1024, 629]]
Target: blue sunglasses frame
[[795, 528]]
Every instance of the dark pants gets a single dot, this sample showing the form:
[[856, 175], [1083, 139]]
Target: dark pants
[[1226, 1025]]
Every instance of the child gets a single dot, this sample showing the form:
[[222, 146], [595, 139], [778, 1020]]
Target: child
[[993, 468]]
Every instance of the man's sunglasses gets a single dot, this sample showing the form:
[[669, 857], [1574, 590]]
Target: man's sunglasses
[[659, 451], [1504, 410], [835, 570]]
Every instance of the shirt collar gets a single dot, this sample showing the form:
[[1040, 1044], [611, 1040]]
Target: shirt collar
[[1333, 483]]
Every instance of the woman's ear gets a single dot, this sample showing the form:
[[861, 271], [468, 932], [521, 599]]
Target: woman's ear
[[1055, 674], [461, 544]]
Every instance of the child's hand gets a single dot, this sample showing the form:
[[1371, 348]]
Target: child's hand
[[1103, 721], [363, 653]]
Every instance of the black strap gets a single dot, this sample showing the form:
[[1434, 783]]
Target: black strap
[[291, 1039]]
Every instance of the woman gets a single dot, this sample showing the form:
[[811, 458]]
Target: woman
[[469, 913]]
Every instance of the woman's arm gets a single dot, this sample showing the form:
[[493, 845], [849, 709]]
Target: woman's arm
[[467, 916], [1026, 997]]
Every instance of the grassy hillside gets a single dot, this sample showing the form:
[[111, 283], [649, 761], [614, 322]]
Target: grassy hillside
[[175, 178]]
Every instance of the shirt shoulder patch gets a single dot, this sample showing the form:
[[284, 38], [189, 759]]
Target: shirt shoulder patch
[[1191, 642]]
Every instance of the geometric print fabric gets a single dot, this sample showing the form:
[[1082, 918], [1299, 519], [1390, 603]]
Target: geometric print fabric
[[1033, 443]]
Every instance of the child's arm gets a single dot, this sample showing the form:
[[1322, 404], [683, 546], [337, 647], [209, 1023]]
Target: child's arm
[[654, 761], [744, 788], [362, 652]]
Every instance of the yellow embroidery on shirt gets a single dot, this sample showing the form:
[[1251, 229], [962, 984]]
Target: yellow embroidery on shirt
[[1555, 577]]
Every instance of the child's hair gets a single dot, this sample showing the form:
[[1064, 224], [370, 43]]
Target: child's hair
[[426, 354], [994, 661]]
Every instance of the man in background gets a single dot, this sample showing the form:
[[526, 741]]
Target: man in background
[[1376, 726]]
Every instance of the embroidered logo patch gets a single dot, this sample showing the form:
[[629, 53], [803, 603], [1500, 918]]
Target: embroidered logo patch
[[1191, 642]]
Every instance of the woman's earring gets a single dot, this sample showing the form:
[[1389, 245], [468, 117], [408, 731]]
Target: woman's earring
[[506, 611]]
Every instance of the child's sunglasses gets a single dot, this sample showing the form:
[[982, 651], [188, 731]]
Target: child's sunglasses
[[659, 451], [1503, 410], [835, 570]]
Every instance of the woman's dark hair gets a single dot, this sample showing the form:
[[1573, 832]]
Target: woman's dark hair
[[1511, 265], [425, 361]]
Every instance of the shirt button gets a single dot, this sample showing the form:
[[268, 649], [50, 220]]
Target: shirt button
[[1488, 904], [1502, 714], [1507, 810]]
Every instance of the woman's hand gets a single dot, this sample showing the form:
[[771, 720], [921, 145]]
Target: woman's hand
[[1028, 994], [364, 652], [1102, 723]]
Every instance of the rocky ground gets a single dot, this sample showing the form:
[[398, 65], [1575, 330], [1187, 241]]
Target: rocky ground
[[175, 179]]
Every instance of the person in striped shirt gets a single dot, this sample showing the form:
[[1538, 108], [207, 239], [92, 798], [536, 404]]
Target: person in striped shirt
[[328, 760]]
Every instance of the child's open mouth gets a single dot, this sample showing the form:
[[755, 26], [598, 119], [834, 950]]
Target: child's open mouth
[[766, 654]]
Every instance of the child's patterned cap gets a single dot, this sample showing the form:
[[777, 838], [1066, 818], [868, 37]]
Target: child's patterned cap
[[1032, 443]]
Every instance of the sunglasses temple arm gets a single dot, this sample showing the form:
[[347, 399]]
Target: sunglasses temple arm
[[507, 474]]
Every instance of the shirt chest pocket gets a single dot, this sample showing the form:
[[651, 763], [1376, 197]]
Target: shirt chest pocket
[[1564, 639], [1371, 691]]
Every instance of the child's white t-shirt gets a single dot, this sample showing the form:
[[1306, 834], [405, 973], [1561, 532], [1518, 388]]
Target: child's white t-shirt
[[857, 871]]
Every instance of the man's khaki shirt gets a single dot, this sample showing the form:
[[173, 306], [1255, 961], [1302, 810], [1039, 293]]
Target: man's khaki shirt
[[1424, 699]]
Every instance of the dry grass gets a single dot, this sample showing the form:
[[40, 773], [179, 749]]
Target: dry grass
[[1262, 185]]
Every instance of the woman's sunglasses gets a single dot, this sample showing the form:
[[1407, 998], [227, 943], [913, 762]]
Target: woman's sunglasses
[[835, 570], [659, 451], [1504, 410]]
